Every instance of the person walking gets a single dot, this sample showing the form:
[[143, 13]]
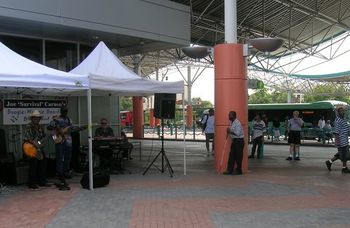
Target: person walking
[[258, 135], [235, 131], [209, 130], [341, 133], [294, 125]]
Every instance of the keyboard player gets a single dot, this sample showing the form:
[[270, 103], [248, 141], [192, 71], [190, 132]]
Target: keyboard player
[[103, 135]]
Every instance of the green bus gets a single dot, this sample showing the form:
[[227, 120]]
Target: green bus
[[309, 112]]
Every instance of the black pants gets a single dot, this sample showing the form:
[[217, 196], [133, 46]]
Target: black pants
[[257, 142], [105, 158], [37, 171], [236, 155]]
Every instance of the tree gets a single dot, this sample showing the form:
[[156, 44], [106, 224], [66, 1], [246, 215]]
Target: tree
[[261, 96], [125, 103], [327, 92], [279, 97]]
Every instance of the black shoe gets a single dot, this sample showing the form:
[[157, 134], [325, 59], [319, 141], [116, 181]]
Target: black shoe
[[238, 172], [251, 156], [345, 170], [227, 173], [289, 158], [45, 185], [33, 186], [297, 159], [329, 165], [64, 188]]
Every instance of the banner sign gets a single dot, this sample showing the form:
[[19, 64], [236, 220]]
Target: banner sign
[[17, 112]]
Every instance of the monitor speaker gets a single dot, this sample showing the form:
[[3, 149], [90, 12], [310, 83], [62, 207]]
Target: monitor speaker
[[164, 105]]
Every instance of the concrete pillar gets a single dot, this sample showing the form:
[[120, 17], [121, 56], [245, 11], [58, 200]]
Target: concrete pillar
[[151, 118], [137, 106], [289, 97], [231, 94]]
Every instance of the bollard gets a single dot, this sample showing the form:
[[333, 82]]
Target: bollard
[[158, 130], [175, 131], [171, 129], [194, 131]]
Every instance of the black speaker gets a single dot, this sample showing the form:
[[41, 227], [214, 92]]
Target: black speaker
[[164, 105], [100, 179]]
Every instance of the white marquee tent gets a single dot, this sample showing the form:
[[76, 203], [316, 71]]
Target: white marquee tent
[[19, 74], [108, 75]]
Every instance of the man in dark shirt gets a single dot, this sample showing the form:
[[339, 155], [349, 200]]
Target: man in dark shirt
[[102, 133]]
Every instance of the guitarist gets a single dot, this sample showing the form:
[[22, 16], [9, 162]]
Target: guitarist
[[62, 126], [35, 134]]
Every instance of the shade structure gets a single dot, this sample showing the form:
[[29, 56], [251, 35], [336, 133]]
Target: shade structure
[[21, 75], [109, 76]]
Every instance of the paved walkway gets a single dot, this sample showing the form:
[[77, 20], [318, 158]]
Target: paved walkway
[[274, 193]]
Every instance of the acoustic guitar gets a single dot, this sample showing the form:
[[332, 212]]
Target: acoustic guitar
[[61, 132], [32, 150]]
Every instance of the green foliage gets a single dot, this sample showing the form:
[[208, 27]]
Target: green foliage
[[261, 96], [279, 97], [327, 92], [125, 103]]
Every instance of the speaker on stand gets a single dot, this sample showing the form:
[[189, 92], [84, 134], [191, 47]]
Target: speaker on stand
[[164, 108]]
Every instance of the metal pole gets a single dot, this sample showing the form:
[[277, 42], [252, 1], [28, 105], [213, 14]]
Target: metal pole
[[184, 127], [91, 184], [231, 21]]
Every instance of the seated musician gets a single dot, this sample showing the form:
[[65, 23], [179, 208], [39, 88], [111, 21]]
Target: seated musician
[[127, 146], [35, 135], [104, 132]]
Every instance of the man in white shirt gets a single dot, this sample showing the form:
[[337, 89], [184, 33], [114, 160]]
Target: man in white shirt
[[236, 152], [209, 129], [259, 129], [320, 125]]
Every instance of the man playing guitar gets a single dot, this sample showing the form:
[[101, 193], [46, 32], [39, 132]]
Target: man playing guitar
[[62, 128], [34, 136]]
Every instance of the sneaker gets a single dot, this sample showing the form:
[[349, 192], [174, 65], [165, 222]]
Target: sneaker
[[329, 165], [289, 158], [345, 170], [297, 159], [251, 156]]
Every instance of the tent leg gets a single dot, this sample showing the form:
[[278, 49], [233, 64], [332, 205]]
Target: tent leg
[[91, 184], [184, 126]]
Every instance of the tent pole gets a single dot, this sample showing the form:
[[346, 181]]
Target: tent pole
[[91, 184], [184, 126]]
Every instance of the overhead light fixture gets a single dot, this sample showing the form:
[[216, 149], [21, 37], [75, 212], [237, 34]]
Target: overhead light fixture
[[266, 44], [196, 52]]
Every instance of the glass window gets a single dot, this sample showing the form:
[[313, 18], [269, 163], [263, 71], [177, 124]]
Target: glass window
[[60, 55], [29, 48], [85, 50]]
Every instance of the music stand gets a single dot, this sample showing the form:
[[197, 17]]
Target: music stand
[[164, 157]]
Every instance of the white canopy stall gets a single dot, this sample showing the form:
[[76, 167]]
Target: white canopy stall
[[21, 75], [108, 75]]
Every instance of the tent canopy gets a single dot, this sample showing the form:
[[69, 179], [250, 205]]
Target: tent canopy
[[108, 75], [19, 74]]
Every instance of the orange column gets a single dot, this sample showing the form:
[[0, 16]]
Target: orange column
[[231, 94], [157, 122], [189, 117], [137, 117], [151, 117]]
